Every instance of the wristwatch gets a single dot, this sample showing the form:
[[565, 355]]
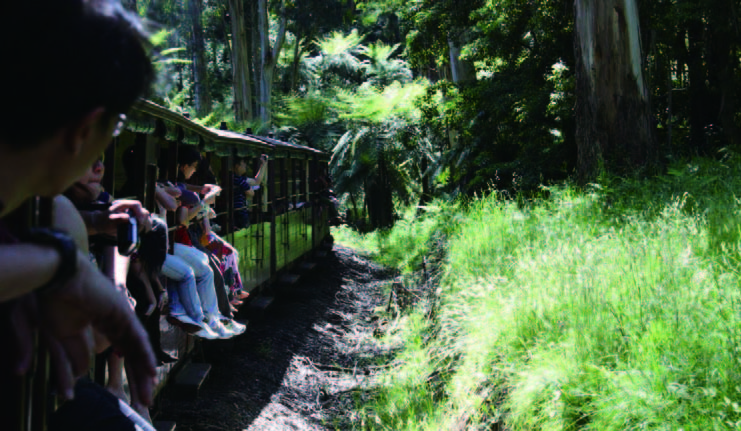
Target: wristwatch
[[66, 248]]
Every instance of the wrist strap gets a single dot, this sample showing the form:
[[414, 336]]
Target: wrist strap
[[66, 248]]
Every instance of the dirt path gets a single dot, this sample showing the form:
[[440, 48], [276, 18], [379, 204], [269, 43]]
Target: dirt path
[[295, 369]]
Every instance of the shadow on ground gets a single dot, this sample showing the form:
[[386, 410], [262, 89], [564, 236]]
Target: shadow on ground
[[286, 370]]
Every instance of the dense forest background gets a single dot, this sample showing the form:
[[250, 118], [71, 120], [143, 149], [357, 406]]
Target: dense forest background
[[597, 287], [423, 98]]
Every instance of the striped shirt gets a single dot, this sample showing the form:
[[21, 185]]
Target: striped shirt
[[241, 185]]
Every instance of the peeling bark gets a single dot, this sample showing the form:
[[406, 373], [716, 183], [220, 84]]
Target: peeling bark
[[614, 125], [268, 58]]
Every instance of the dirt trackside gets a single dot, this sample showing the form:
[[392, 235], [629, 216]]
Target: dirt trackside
[[296, 369]]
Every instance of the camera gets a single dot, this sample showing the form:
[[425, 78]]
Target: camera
[[128, 236]]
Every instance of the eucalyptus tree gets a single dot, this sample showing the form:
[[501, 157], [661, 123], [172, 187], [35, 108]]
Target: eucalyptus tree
[[241, 59], [614, 124], [436, 31], [266, 56], [254, 57], [201, 87]]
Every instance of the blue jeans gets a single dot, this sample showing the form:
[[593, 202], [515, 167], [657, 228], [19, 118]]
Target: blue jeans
[[189, 267]]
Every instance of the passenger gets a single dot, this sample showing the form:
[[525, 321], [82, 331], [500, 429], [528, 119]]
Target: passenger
[[185, 303], [227, 255], [134, 277], [92, 407], [52, 127], [206, 309], [244, 189], [228, 264], [186, 238]]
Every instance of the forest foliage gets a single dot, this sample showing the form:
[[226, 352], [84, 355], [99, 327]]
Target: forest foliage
[[608, 305], [492, 85]]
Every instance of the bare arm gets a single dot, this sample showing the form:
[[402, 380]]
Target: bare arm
[[210, 197], [25, 267], [206, 225], [201, 189], [262, 171], [165, 199], [193, 188], [66, 313], [185, 215]]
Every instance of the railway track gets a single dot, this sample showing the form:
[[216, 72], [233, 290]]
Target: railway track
[[297, 368]]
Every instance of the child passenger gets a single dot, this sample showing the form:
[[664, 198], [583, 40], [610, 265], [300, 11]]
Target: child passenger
[[244, 189]]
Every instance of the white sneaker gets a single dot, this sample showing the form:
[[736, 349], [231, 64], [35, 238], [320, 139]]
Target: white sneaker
[[203, 332], [220, 329], [233, 326], [206, 333]]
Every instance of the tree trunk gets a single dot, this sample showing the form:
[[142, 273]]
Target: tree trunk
[[296, 63], [255, 57], [613, 117], [462, 70], [268, 58], [201, 86], [379, 196], [240, 61]]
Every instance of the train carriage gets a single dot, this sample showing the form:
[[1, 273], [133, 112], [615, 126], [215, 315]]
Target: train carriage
[[288, 223]]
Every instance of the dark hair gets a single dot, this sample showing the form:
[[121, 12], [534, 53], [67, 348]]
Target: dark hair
[[204, 174], [78, 55], [188, 155]]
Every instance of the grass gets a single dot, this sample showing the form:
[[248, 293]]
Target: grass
[[412, 239], [613, 308]]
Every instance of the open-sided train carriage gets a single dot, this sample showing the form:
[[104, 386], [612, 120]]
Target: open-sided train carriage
[[288, 223]]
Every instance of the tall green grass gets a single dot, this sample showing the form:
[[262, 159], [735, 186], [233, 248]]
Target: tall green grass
[[615, 308], [418, 234]]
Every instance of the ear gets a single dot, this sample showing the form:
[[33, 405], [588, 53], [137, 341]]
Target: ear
[[80, 131]]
